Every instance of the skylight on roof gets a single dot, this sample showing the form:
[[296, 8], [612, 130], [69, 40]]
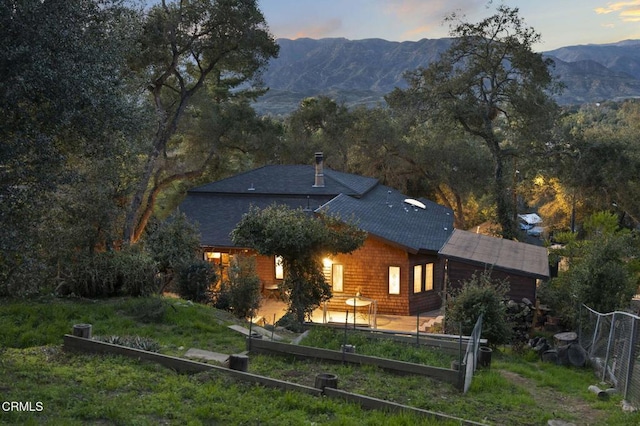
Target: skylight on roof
[[415, 203]]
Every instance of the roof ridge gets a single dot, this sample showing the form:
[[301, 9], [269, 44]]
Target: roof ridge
[[233, 176]]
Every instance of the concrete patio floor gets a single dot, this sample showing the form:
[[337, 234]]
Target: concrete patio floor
[[272, 310]]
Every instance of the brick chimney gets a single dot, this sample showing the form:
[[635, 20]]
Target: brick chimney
[[319, 181]]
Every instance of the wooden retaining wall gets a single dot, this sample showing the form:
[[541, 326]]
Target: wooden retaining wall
[[80, 344], [181, 365], [442, 374]]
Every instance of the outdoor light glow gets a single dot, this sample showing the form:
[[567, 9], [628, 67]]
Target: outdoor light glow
[[326, 262]]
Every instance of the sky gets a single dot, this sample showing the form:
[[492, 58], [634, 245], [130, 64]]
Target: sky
[[560, 22]]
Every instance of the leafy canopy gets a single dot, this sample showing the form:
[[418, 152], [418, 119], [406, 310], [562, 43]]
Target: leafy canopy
[[491, 84]]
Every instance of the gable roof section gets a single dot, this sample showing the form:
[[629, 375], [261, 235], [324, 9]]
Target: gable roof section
[[290, 180], [382, 212], [507, 255]]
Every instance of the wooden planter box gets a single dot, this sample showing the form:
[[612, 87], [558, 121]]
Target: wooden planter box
[[442, 374]]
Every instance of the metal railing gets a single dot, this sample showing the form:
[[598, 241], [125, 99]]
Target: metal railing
[[612, 342]]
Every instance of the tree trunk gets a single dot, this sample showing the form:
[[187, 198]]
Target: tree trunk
[[503, 198], [167, 125], [503, 201]]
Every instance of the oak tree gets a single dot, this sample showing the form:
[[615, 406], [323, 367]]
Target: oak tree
[[492, 85], [185, 47]]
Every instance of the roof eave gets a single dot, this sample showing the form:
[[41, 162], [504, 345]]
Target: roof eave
[[495, 266]]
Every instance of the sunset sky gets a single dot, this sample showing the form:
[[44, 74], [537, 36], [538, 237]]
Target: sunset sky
[[560, 22]]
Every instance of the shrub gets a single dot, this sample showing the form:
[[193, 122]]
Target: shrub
[[290, 322], [129, 272], [241, 292], [602, 273], [135, 342], [194, 281], [137, 272], [480, 295]]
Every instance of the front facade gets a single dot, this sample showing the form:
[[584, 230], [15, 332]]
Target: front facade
[[398, 266], [411, 250]]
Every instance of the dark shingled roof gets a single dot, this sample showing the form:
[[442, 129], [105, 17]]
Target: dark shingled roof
[[384, 213], [217, 207], [290, 180], [504, 254]]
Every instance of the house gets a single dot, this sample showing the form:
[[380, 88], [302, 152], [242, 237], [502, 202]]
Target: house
[[531, 223], [399, 266], [523, 265]]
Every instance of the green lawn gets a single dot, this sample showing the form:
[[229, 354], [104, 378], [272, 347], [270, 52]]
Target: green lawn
[[96, 389]]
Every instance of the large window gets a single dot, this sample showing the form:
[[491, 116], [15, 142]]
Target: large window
[[337, 277], [394, 280], [428, 277], [417, 278], [422, 281]]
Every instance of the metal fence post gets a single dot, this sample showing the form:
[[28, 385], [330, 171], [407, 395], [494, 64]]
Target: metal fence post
[[595, 335], [606, 358], [632, 350]]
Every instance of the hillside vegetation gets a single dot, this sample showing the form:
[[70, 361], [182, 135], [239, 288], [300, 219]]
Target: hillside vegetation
[[101, 389]]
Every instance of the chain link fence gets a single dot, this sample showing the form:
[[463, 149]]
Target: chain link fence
[[612, 342]]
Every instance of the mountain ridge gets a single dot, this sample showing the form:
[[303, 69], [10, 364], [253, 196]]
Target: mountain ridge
[[361, 72]]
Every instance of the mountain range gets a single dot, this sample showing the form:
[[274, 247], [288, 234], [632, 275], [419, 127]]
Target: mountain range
[[361, 72]]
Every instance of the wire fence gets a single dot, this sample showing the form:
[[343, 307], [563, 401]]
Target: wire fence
[[612, 342]]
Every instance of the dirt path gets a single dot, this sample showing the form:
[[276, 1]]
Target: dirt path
[[552, 401]]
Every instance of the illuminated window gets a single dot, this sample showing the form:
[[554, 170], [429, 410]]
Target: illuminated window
[[337, 274], [428, 277], [394, 280], [417, 278], [279, 268], [212, 256]]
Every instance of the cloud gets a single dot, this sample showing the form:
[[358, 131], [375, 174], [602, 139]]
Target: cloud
[[327, 28], [424, 18], [419, 32], [628, 11]]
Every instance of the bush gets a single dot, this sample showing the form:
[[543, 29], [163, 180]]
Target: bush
[[240, 293], [194, 281], [291, 323], [128, 272], [480, 295], [135, 342], [603, 274], [174, 244]]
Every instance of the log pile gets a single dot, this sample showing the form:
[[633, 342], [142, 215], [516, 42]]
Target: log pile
[[561, 352], [520, 314]]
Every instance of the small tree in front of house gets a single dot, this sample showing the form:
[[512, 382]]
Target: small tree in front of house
[[301, 240], [480, 295], [240, 293]]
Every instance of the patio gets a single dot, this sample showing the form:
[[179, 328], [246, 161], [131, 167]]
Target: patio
[[271, 310]]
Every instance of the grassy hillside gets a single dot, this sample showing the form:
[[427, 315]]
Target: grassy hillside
[[55, 387]]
